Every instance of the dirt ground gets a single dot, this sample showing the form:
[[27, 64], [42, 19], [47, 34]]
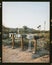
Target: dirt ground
[[10, 55]]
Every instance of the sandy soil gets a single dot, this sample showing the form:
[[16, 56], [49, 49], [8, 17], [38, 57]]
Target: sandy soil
[[10, 55]]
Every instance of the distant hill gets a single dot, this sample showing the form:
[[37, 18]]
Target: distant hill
[[25, 29]]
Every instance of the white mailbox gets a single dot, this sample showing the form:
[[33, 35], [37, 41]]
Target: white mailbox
[[29, 36], [18, 35]]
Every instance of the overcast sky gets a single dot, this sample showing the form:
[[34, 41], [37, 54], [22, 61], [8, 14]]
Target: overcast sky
[[30, 14]]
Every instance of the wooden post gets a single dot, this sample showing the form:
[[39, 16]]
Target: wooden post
[[12, 40], [22, 47], [35, 46]]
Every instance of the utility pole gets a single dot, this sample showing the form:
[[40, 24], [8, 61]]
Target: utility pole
[[44, 27], [18, 30]]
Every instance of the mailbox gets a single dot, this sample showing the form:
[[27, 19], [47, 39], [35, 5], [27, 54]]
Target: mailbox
[[18, 35], [24, 36], [36, 37], [29, 36]]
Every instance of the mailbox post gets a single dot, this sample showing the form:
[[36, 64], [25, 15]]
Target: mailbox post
[[12, 40], [29, 46], [35, 46], [22, 45]]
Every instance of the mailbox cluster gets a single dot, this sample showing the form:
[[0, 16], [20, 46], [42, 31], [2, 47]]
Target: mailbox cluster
[[30, 37]]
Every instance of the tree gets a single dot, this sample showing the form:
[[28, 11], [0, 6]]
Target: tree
[[25, 29]]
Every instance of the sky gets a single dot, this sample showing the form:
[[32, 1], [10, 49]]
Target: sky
[[30, 14]]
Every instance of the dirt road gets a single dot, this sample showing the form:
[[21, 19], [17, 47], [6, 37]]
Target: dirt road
[[10, 55]]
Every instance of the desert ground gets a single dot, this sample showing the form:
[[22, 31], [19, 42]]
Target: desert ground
[[10, 55]]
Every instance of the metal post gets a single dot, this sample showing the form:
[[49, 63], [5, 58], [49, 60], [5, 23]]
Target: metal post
[[29, 48], [29, 45]]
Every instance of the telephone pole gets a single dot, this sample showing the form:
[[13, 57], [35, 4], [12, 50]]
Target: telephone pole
[[44, 25]]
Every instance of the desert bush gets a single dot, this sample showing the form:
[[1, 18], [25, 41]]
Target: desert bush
[[5, 36]]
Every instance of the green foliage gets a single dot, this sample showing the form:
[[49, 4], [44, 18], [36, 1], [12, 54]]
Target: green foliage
[[23, 31]]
